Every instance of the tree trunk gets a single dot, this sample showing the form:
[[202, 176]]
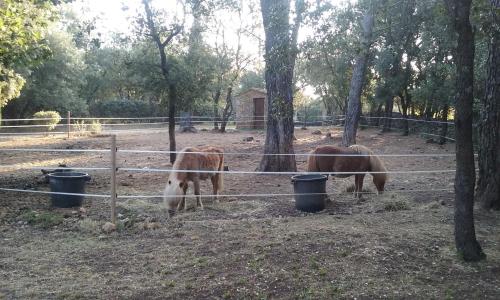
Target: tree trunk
[[488, 185], [280, 53], [405, 100], [165, 69], [172, 99], [216, 108], [465, 235], [444, 125], [389, 103], [358, 77], [378, 115], [228, 109]]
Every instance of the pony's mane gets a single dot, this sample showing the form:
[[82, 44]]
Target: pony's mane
[[376, 164], [179, 164]]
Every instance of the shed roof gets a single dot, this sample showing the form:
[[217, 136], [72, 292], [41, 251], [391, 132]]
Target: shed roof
[[262, 91]]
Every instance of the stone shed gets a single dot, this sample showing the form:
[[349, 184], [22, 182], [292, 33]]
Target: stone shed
[[250, 109]]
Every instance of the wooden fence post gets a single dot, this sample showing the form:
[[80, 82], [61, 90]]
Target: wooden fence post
[[69, 123], [113, 179]]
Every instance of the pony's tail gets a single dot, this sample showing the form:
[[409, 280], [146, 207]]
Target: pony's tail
[[312, 163], [220, 181]]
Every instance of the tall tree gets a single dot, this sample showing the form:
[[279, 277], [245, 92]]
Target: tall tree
[[357, 81], [465, 176], [280, 53], [328, 55], [488, 185], [22, 44], [55, 84], [162, 37]]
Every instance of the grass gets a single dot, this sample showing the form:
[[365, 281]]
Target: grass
[[43, 220], [89, 226], [350, 189], [396, 205]]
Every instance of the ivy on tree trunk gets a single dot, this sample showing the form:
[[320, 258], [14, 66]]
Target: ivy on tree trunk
[[280, 53], [465, 176]]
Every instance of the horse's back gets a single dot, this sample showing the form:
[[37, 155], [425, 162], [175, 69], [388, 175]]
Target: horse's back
[[323, 158], [204, 159], [339, 159]]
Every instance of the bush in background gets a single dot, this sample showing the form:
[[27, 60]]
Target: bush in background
[[49, 118], [123, 109]]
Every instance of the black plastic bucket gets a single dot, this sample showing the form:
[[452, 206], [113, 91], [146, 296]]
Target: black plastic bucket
[[310, 184], [67, 182]]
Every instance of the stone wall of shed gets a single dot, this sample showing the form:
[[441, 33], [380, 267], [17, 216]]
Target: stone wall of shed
[[244, 110]]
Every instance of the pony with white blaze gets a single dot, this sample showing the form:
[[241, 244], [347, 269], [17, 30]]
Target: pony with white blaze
[[188, 162]]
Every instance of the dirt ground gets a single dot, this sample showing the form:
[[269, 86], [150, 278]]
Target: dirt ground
[[396, 245]]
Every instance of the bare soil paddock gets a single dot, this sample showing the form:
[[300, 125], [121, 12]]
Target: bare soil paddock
[[395, 245]]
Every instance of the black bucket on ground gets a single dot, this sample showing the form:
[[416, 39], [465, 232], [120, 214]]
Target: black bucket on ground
[[67, 182], [310, 184]]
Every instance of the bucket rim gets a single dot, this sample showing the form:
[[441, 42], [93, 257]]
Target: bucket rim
[[309, 177], [68, 175]]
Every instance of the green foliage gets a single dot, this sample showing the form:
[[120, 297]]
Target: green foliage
[[252, 79], [11, 84], [122, 108], [49, 118], [55, 84], [328, 55], [23, 24], [22, 29]]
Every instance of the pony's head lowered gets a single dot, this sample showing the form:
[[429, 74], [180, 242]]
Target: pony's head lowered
[[377, 167], [379, 179], [174, 191]]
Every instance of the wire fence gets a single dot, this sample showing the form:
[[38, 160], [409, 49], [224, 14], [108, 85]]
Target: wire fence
[[113, 168], [247, 195], [109, 125]]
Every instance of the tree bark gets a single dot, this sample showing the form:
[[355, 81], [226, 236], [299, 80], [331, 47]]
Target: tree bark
[[228, 109], [488, 185], [465, 235], [405, 101], [444, 124], [389, 103], [172, 99], [358, 78], [216, 98], [280, 53]]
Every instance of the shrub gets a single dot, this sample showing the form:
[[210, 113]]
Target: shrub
[[81, 128], [49, 118], [122, 108], [95, 127]]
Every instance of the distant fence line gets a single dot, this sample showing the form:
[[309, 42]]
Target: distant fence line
[[78, 125]]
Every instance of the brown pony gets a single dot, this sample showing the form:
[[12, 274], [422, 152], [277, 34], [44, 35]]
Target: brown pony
[[367, 161], [206, 159]]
